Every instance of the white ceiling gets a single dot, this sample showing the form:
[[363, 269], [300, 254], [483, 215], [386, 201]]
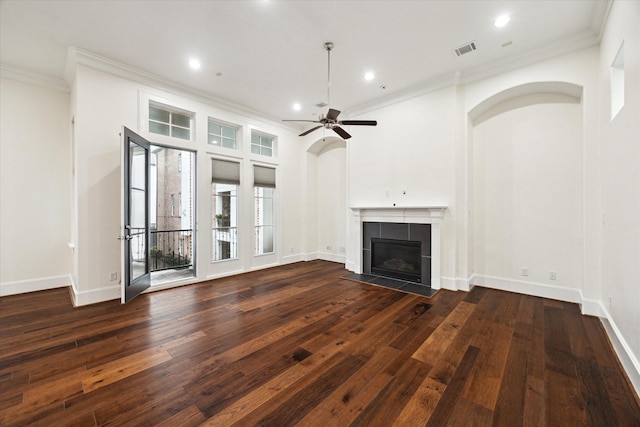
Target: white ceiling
[[270, 53]]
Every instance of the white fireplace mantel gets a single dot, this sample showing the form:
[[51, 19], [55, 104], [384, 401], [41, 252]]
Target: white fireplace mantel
[[404, 214], [399, 214]]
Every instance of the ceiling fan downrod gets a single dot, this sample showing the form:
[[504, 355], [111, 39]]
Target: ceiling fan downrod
[[328, 46]]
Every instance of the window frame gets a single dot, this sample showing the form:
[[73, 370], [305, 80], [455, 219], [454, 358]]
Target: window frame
[[273, 214], [234, 221], [261, 146], [228, 125], [171, 109]]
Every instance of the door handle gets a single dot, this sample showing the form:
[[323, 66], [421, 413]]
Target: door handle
[[124, 237]]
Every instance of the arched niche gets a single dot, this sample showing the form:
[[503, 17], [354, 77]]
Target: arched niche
[[326, 143], [526, 186], [525, 95], [327, 198]]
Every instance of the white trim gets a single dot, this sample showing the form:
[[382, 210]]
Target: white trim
[[629, 361], [26, 76], [77, 56], [33, 285], [455, 283], [581, 41], [449, 283], [529, 288], [93, 296], [310, 256], [328, 256], [592, 307], [290, 259]]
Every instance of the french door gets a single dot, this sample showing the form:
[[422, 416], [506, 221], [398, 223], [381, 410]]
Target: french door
[[135, 225]]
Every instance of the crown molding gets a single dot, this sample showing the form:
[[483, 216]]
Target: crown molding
[[26, 76], [77, 56], [586, 39], [600, 17]]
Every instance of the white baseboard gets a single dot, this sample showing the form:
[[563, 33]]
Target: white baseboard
[[32, 285], [328, 256], [93, 296], [529, 288], [310, 256], [290, 259], [351, 266], [628, 360]]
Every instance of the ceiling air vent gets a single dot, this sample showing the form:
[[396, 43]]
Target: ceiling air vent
[[465, 48], [321, 104]]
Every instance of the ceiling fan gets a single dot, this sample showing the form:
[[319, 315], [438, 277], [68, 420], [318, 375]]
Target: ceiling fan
[[330, 120]]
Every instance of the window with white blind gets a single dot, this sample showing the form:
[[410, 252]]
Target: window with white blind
[[225, 180], [264, 185]]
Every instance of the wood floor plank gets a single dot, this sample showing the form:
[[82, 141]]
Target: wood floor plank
[[301, 345], [421, 405], [433, 348], [388, 404], [453, 392]]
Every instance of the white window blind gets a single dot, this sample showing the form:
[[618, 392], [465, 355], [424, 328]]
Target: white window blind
[[225, 172], [264, 176]]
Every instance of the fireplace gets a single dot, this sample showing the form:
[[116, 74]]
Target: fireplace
[[415, 223], [396, 258]]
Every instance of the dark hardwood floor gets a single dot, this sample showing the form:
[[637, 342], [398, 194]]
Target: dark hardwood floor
[[299, 345]]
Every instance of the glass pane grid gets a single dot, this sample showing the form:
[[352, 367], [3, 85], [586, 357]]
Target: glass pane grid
[[225, 243], [224, 201], [262, 145], [220, 135], [165, 122]]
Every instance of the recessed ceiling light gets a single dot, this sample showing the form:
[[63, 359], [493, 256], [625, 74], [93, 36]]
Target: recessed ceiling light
[[501, 21], [194, 64], [296, 107], [369, 76]]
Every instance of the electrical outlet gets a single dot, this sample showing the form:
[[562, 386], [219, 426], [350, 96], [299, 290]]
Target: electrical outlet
[[113, 276], [524, 271], [552, 275]]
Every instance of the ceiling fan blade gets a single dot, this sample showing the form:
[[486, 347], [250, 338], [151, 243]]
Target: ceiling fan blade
[[343, 133], [309, 131], [296, 120], [358, 122], [333, 114]]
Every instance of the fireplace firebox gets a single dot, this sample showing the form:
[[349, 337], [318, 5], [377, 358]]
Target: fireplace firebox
[[396, 258]]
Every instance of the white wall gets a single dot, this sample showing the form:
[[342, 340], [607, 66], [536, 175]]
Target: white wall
[[35, 187], [620, 292], [527, 205]]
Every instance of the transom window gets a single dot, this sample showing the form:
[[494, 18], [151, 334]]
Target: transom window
[[262, 144], [165, 121], [222, 135]]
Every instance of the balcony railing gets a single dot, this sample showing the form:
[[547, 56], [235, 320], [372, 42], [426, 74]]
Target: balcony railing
[[171, 249]]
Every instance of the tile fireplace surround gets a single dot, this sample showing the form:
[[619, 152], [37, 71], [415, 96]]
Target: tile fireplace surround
[[403, 215]]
